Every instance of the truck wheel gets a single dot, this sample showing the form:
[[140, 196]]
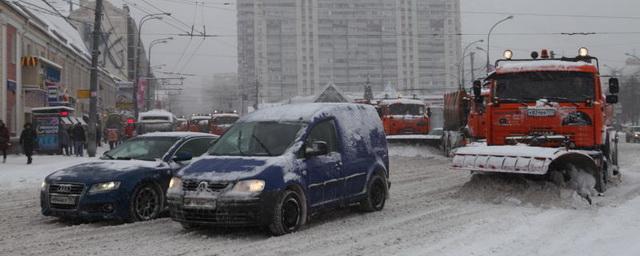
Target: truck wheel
[[376, 195], [288, 213], [146, 203]]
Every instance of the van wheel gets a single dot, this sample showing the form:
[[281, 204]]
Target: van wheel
[[288, 213], [146, 203], [376, 195]]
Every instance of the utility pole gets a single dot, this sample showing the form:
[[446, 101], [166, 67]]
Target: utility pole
[[93, 100]]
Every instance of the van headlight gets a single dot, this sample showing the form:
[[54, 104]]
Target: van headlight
[[249, 186], [104, 187], [44, 185], [175, 184]]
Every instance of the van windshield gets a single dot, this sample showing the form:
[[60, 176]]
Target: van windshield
[[256, 139]]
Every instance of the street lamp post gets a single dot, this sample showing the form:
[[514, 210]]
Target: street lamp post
[[489, 39], [148, 98], [461, 65], [136, 61]]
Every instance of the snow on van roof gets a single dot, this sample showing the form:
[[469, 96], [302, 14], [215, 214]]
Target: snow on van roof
[[296, 112], [156, 112], [541, 65]]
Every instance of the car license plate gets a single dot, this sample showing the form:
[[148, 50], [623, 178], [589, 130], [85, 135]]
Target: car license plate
[[541, 112], [66, 200], [200, 203]]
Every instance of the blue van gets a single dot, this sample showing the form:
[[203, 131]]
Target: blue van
[[276, 167]]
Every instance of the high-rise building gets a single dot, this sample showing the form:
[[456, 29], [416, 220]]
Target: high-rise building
[[292, 48]]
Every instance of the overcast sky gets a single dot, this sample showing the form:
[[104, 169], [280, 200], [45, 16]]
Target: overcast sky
[[618, 20]]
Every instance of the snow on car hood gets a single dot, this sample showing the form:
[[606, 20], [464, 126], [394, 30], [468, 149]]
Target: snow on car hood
[[103, 170], [229, 168]]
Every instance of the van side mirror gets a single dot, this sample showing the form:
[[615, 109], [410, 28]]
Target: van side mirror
[[317, 148], [614, 85], [182, 156], [477, 88], [612, 99]]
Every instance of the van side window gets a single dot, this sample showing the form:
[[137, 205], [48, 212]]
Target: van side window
[[325, 131]]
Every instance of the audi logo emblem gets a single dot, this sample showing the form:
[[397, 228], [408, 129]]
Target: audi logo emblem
[[64, 188], [203, 186]]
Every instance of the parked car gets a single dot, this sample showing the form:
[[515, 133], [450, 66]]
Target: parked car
[[632, 134], [128, 183], [277, 166]]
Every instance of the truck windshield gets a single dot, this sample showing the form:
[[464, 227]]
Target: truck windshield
[[256, 139], [406, 109], [553, 86]]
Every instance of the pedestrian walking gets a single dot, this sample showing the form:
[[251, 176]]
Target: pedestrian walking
[[28, 140], [4, 141], [80, 138], [72, 140], [65, 142], [112, 137]]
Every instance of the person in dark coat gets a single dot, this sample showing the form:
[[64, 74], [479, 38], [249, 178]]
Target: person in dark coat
[[65, 141], [4, 141], [79, 139], [28, 140]]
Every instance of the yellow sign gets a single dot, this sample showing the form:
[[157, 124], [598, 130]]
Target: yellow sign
[[84, 94]]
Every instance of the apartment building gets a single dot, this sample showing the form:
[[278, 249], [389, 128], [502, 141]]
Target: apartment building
[[292, 48]]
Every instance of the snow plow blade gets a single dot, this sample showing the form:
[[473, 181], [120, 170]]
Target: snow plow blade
[[417, 139], [508, 159]]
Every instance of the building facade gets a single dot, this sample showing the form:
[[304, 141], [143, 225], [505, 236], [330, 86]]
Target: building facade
[[117, 47], [292, 48], [44, 63]]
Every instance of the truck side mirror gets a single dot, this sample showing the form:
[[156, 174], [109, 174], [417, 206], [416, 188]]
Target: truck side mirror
[[477, 88], [317, 148], [614, 86], [612, 99]]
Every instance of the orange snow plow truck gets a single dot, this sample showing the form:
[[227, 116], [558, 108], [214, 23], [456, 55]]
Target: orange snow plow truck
[[542, 116]]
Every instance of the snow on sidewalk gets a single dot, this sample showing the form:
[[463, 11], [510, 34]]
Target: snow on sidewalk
[[15, 173]]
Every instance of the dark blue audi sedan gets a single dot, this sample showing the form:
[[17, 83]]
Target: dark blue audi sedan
[[128, 183]]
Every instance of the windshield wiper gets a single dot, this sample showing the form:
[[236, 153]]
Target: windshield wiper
[[108, 156], [514, 100], [144, 158], [561, 100], [261, 144]]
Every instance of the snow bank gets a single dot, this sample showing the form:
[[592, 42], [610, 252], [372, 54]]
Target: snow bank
[[519, 190], [414, 151]]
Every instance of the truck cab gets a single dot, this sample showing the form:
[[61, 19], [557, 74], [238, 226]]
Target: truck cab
[[544, 102]]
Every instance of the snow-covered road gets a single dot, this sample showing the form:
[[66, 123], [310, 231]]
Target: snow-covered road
[[429, 213]]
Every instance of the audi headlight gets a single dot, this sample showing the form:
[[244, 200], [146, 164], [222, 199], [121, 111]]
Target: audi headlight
[[104, 187], [175, 184], [249, 186]]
